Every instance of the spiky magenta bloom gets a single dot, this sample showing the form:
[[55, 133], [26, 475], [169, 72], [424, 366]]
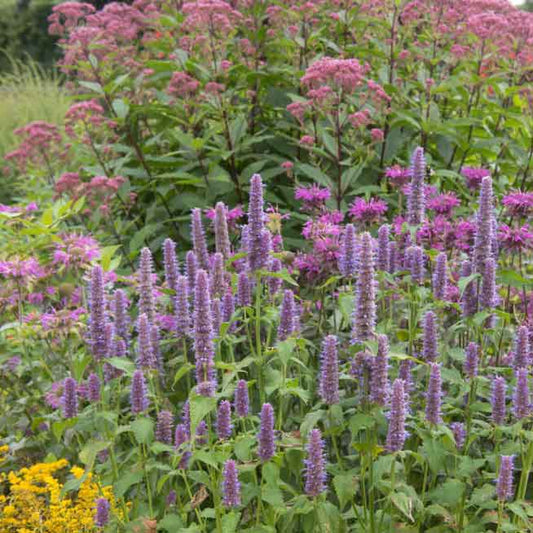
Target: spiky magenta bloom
[[434, 395], [415, 259], [393, 257], [217, 279], [256, 255], [224, 426], [146, 358], [429, 340], [241, 402], [244, 290], [484, 233], [202, 433], [364, 315], [101, 517], [191, 267], [216, 315], [379, 377], [267, 445], [204, 349], [198, 239], [286, 316], [405, 373], [315, 465], [181, 441], [521, 395], [396, 433], [274, 284], [164, 427], [222, 242], [181, 308], [471, 360], [231, 488], [69, 399], [348, 252], [521, 352], [440, 277], [120, 310], [504, 484], [383, 248], [328, 387], [497, 400], [146, 288], [93, 388], [416, 202], [97, 317], [172, 269], [469, 296], [138, 398], [487, 294], [459, 434]]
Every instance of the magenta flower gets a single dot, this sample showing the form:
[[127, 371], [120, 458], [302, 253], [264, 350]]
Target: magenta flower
[[443, 204], [515, 239], [474, 176], [313, 197], [519, 203], [398, 176], [368, 211]]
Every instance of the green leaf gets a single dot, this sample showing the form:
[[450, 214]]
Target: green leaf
[[143, 429], [89, 452], [403, 503], [345, 487], [449, 493], [230, 521], [310, 421], [171, 523], [126, 481], [286, 350], [200, 407], [123, 364], [315, 174]]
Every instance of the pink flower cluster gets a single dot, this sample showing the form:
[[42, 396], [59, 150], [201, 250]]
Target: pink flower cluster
[[313, 197], [182, 85], [86, 121], [75, 250], [22, 269], [519, 203], [368, 211]]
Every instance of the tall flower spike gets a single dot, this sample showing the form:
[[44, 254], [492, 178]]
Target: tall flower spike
[[182, 310], [172, 269], [405, 374], [191, 266], [472, 360], [393, 257], [429, 346], [222, 242], [440, 277], [415, 259], [97, 317], [396, 434], [286, 316], [497, 400], [139, 400], [244, 290], [202, 433], [521, 395], [348, 252], [120, 308], [146, 358], [383, 248], [228, 306], [69, 400], [224, 426], [101, 517], [216, 314], [379, 377], [459, 434], [110, 339], [155, 341], [329, 371], [231, 488], [181, 440], [434, 395], [218, 279], [204, 349], [241, 402], [484, 234], [364, 317], [416, 202], [198, 239], [267, 445], [274, 284], [256, 255], [504, 483], [469, 296], [487, 295], [315, 465], [163, 428], [94, 386], [146, 289], [521, 352]]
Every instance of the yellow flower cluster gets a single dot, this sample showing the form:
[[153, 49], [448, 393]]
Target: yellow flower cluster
[[34, 503]]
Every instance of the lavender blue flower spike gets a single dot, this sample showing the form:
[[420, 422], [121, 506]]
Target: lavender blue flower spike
[[198, 239], [383, 248], [244, 290], [440, 277], [97, 317], [231, 488], [521, 395], [396, 434], [499, 387], [172, 269], [434, 395], [228, 306], [522, 348], [224, 427], [429, 348], [286, 316], [329, 371], [163, 428], [255, 244], [472, 360], [69, 400], [182, 309], [315, 465], [487, 294], [348, 252], [275, 284], [218, 279], [146, 289], [415, 259], [379, 381], [94, 386], [191, 266], [101, 517], [504, 483], [121, 320], [484, 235], [469, 296], [416, 203], [241, 401], [267, 444], [181, 440], [222, 242], [146, 358], [459, 434], [138, 398]]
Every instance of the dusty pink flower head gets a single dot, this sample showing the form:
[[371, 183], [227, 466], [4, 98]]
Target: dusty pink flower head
[[182, 85], [340, 74], [307, 140]]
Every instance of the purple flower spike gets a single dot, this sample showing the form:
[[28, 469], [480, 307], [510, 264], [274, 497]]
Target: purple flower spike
[[484, 236], [383, 248], [69, 400], [274, 284], [202, 433], [97, 317], [138, 397], [434, 395], [328, 387], [146, 358], [244, 290], [121, 315], [216, 314], [222, 242], [198, 239], [155, 341], [224, 426], [256, 255], [191, 266], [231, 488], [348, 252], [163, 428], [267, 445], [469, 296], [241, 401], [218, 279], [228, 306], [94, 387], [286, 316], [459, 434], [181, 440], [487, 295], [146, 289], [393, 257], [499, 387], [415, 259], [472, 360], [182, 310], [521, 353], [440, 277], [204, 349], [396, 434], [416, 202], [101, 517], [364, 315], [521, 395], [379, 380], [315, 465], [429, 348], [172, 269], [504, 484], [405, 374]]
